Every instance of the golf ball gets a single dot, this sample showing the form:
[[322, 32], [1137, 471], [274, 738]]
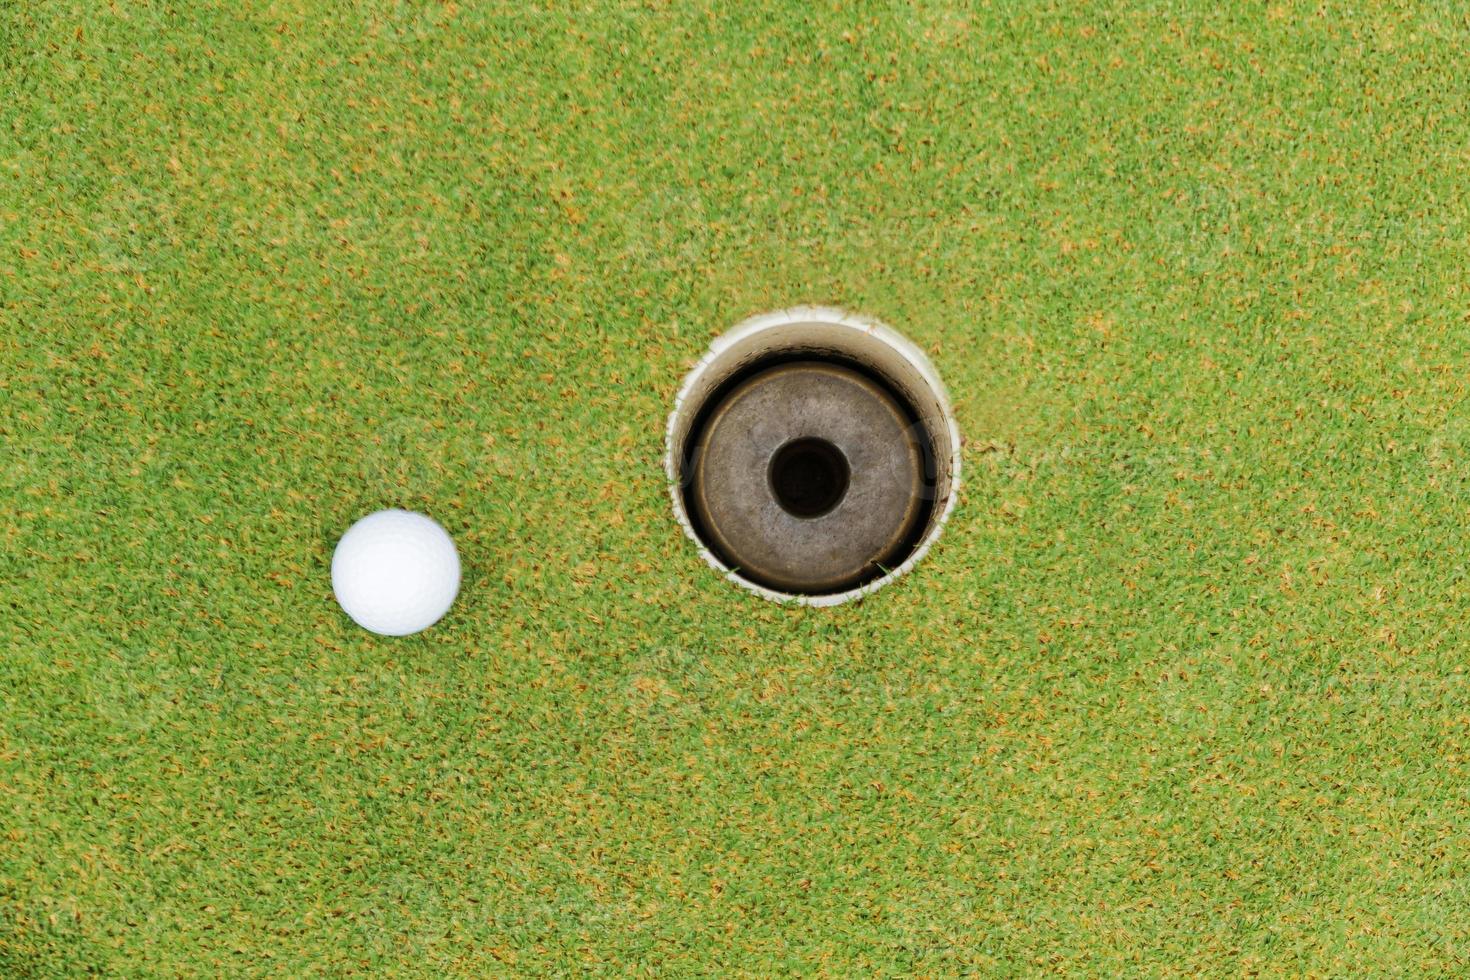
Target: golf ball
[[395, 572]]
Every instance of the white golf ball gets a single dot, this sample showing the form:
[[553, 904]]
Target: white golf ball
[[395, 572]]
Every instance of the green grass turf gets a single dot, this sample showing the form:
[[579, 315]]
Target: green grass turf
[[1181, 689]]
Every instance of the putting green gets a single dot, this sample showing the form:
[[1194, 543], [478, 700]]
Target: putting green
[[1182, 688]]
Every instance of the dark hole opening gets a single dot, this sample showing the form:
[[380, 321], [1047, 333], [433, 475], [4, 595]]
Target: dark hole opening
[[809, 477]]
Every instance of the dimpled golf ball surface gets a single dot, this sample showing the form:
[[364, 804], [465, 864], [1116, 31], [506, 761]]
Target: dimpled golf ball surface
[[395, 572]]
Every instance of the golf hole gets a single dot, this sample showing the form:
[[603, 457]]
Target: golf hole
[[812, 455]]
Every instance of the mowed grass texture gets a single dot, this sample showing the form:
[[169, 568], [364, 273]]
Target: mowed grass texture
[[1181, 689]]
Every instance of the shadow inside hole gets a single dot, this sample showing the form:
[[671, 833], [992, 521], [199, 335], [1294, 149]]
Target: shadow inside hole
[[809, 477]]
